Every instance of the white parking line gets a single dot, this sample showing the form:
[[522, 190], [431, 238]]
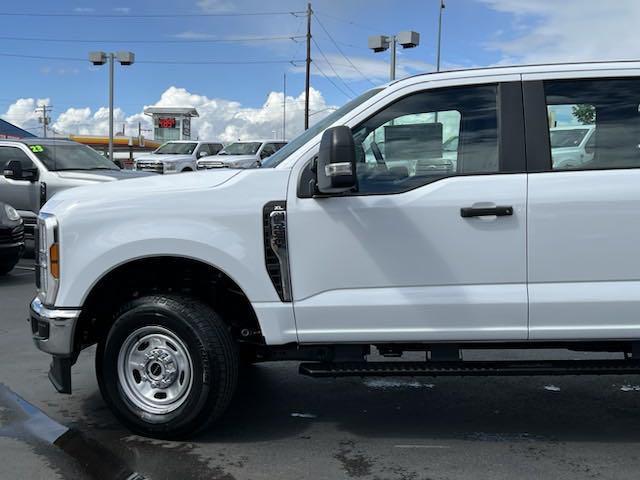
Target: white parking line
[[421, 446]]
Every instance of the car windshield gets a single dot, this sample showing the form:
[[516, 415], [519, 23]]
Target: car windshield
[[241, 148], [567, 138], [70, 156], [282, 154], [174, 148]]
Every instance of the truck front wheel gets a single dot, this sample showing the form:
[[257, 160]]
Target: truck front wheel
[[168, 366]]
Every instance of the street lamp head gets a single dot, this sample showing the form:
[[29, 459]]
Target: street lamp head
[[378, 43], [125, 58], [98, 58], [408, 39]]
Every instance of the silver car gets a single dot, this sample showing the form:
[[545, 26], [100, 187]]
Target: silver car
[[242, 155], [33, 170]]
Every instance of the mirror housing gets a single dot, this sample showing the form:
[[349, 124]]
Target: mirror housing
[[203, 154], [335, 167], [13, 170]]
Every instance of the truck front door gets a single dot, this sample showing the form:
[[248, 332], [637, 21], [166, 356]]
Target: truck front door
[[413, 255]]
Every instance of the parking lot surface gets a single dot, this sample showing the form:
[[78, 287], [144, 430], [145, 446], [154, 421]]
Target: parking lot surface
[[285, 426]]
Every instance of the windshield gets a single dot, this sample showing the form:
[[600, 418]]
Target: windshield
[[176, 149], [71, 156], [567, 138], [282, 154], [241, 148]]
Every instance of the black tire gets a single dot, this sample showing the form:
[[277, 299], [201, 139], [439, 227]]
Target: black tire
[[213, 357], [184, 170]]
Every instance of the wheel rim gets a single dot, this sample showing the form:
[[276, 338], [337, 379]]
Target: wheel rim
[[155, 370]]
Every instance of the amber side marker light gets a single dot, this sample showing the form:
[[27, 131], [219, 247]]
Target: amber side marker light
[[54, 261]]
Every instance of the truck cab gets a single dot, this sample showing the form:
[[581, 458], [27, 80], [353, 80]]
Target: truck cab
[[329, 253], [177, 156]]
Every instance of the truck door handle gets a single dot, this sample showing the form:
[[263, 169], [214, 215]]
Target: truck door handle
[[467, 212]]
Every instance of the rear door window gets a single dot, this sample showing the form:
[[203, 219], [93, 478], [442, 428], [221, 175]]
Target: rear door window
[[593, 123]]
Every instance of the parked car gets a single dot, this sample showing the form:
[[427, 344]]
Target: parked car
[[324, 255], [572, 146], [242, 155], [177, 156], [33, 170], [11, 238]]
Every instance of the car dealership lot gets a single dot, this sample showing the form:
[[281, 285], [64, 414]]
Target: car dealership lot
[[283, 425]]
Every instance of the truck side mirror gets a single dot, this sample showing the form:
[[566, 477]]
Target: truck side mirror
[[14, 171], [203, 154], [335, 168]]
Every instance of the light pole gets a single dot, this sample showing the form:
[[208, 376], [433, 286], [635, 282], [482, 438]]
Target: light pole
[[380, 43], [100, 58], [439, 35]]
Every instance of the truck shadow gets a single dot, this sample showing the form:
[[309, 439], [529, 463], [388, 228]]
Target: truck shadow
[[274, 403]]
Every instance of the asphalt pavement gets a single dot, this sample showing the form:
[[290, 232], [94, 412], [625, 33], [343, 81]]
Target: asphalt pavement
[[285, 426]]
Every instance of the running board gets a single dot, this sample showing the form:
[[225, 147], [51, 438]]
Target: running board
[[470, 368]]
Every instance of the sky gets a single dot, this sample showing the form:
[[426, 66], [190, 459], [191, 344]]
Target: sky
[[228, 58]]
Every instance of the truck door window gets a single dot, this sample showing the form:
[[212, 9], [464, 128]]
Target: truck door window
[[8, 154], [427, 136], [593, 124]]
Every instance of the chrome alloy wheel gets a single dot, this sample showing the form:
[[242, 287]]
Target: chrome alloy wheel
[[155, 370]]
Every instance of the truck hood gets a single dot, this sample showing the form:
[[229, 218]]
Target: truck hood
[[128, 193], [164, 158], [99, 176]]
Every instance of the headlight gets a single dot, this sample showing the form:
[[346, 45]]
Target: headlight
[[168, 167], [12, 213], [47, 258]]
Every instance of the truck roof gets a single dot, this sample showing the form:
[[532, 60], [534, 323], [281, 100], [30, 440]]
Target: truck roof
[[527, 69]]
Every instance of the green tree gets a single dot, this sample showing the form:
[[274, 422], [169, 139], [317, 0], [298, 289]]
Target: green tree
[[585, 113]]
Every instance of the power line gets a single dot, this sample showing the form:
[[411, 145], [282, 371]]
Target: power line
[[333, 69], [341, 52], [124, 16], [188, 40], [349, 22], [331, 80], [158, 62]]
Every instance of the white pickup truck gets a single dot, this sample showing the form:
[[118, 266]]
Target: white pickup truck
[[177, 156], [327, 254]]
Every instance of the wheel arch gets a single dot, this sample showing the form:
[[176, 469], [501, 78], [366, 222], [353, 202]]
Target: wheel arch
[[165, 273]]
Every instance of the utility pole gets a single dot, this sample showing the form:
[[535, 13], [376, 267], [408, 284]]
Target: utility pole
[[392, 73], [439, 35], [44, 119], [284, 109], [308, 71]]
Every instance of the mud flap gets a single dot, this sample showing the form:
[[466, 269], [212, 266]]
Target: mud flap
[[60, 373]]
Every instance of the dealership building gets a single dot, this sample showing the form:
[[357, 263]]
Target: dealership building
[[171, 123]]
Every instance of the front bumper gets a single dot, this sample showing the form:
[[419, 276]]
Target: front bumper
[[53, 329]]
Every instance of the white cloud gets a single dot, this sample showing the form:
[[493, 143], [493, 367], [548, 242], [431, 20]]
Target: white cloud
[[84, 10], [570, 30], [220, 119], [122, 9], [23, 113], [213, 6]]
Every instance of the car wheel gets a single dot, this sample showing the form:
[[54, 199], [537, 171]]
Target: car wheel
[[168, 367], [184, 170]]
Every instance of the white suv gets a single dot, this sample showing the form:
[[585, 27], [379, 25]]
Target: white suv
[[177, 156], [326, 254]]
